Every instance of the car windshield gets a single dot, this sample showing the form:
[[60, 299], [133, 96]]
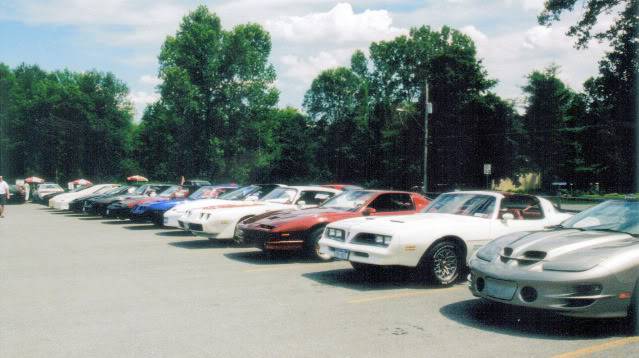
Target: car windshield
[[463, 204], [202, 193], [141, 190], [350, 200], [241, 193], [170, 191], [615, 215], [281, 195], [115, 190]]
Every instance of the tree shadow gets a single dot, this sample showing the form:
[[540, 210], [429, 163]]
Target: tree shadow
[[386, 279], [202, 244], [525, 322], [260, 257]]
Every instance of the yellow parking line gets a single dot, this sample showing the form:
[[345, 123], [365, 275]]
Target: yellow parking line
[[405, 294], [599, 348]]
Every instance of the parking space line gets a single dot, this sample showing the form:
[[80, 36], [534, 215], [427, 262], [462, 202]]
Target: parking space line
[[405, 294], [599, 348]]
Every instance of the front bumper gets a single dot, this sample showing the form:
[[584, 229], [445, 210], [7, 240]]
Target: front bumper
[[561, 292], [171, 219], [366, 254], [268, 240]]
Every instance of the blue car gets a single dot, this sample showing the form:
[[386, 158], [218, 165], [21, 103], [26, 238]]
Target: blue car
[[154, 211]]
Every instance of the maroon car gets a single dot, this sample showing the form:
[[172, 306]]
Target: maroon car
[[294, 230]]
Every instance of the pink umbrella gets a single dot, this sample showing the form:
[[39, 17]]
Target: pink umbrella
[[136, 178], [34, 180], [80, 182]]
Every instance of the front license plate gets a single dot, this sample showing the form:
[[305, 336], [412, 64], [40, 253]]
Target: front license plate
[[107, 212], [504, 290], [341, 254]]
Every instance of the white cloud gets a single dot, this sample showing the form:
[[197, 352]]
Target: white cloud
[[140, 99], [340, 24], [150, 80]]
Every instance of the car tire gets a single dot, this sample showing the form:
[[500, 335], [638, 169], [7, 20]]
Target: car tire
[[443, 263], [633, 312], [312, 245]]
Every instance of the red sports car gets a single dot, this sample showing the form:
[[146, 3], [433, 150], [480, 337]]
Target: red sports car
[[301, 229]]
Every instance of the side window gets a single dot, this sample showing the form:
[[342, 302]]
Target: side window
[[522, 207], [392, 202], [314, 197]]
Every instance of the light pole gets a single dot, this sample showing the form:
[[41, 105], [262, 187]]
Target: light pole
[[427, 109]]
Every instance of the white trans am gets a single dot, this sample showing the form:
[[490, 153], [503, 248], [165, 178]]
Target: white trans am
[[439, 240], [222, 222], [237, 197], [61, 202]]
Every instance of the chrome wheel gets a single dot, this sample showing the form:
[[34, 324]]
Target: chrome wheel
[[446, 264]]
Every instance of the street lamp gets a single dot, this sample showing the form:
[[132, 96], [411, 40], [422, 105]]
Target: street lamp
[[428, 109]]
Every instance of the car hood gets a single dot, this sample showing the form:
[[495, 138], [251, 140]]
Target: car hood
[[305, 217], [566, 250], [390, 225]]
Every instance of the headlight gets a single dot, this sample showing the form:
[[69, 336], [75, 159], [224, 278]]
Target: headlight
[[489, 252], [383, 240], [335, 234]]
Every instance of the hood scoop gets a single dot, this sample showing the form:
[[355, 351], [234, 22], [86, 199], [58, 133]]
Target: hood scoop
[[527, 258]]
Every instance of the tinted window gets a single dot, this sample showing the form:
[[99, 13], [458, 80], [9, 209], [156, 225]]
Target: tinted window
[[392, 202], [314, 197]]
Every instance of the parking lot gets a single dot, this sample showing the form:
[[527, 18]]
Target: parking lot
[[77, 286]]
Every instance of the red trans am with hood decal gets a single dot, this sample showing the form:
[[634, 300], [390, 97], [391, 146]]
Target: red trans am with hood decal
[[302, 229]]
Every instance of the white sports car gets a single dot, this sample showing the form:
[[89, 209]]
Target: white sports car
[[221, 222], [237, 197], [439, 240], [46, 189], [61, 202]]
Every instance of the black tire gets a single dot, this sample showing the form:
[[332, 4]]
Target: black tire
[[311, 245], [443, 263], [633, 312]]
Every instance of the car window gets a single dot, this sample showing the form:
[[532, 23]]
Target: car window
[[522, 207], [477, 205], [392, 202], [314, 197]]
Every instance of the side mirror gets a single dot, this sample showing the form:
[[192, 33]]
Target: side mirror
[[507, 217], [369, 211], [301, 203]]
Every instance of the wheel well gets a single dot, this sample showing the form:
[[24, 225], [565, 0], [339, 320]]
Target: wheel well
[[460, 243]]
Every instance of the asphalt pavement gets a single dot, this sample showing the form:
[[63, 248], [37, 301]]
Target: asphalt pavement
[[77, 286]]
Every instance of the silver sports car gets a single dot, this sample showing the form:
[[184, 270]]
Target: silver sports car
[[586, 267]]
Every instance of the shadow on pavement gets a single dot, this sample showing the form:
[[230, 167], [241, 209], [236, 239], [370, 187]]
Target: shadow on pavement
[[202, 244], [93, 218], [174, 233], [390, 278], [519, 321], [115, 221], [270, 258], [140, 227]]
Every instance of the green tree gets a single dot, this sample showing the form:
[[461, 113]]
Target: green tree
[[219, 86]]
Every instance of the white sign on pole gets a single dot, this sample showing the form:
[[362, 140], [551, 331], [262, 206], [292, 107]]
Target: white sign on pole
[[488, 169]]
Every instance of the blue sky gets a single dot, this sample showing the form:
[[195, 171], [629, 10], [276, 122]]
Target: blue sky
[[124, 36]]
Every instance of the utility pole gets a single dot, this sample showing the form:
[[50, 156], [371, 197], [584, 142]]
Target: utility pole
[[427, 109]]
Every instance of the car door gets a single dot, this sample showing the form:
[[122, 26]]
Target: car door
[[528, 215], [392, 204]]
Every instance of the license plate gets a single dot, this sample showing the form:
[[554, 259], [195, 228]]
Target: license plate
[[504, 290], [341, 254], [107, 212], [165, 220]]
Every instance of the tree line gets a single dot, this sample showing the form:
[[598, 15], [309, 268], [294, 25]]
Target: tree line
[[217, 116]]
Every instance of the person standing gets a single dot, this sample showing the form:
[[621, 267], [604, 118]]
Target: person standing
[[27, 192], [4, 195]]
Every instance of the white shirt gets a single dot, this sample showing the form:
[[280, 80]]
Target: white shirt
[[4, 188]]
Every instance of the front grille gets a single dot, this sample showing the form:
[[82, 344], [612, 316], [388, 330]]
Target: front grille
[[258, 236], [196, 227]]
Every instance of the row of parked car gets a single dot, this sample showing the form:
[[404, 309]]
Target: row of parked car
[[516, 249]]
